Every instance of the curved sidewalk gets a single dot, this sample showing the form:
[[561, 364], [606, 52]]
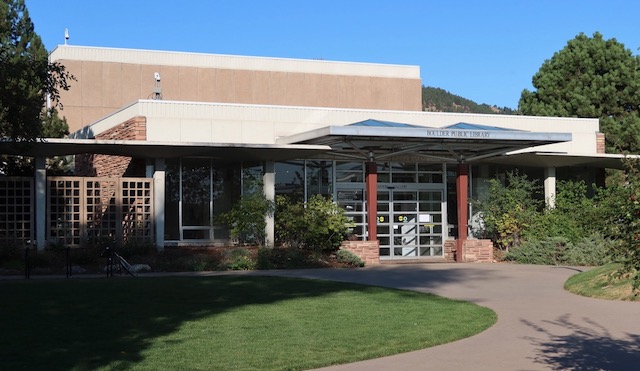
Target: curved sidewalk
[[540, 325]]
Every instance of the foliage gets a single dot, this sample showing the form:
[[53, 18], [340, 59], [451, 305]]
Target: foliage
[[548, 250], [238, 259], [26, 76], [247, 218], [554, 250], [440, 100], [509, 209], [575, 214], [593, 250], [349, 258], [285, 258], [320, 224], [591, 77], [52, 127], [626, 224]]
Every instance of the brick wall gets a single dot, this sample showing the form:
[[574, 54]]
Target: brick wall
[[368, 251], [450, 250], [600, 143], [108, 165], [473, 251]]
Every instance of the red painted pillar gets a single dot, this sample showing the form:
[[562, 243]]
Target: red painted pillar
[[372, 200], [462, 191]]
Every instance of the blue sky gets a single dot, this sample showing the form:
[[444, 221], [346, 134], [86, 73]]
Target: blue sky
[[486, 51]]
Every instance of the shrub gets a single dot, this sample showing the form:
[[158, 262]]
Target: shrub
[[238, 259], [319, 225], [290, 258], [349, 258], [549, 250], [247, 218], [593, 250], [509, 209]]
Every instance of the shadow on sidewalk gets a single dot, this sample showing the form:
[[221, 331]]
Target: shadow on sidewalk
[[583, 345]]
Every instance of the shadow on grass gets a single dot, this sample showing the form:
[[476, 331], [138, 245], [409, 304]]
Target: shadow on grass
[[584, 346], [88, 324], [110, 323]]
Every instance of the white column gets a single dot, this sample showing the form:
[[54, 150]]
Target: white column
[[41, 203], [550, 187], [269, 189], [158, 201]]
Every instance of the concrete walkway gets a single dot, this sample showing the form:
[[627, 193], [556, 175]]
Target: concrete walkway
[[540, 325]]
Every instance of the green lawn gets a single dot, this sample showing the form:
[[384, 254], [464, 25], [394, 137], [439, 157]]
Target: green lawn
[[223, 322], [603, 283]]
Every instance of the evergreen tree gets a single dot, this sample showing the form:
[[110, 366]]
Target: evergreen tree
[[26, 76], [591, 77]]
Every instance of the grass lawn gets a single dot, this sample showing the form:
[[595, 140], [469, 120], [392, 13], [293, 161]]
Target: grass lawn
[[600, 283], [222, 322]]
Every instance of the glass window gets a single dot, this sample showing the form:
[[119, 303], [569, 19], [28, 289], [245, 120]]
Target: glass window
[[320, 178], [196, 192], [252, 173], [349, 171], [172, 200], [290, 180]]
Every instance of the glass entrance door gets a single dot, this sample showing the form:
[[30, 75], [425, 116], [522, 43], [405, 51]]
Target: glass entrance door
[[409, 222]]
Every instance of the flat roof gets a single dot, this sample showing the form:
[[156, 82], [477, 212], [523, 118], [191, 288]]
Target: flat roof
[[145, 149], [551, 159], [234, 62]]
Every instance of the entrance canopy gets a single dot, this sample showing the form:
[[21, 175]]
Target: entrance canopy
[[462, 142]]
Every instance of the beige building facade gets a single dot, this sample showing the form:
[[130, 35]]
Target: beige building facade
[[204, 126], [108, 79]]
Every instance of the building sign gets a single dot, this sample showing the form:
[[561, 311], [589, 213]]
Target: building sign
[[458, 133]]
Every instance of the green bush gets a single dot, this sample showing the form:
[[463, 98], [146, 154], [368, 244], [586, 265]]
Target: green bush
[[509, 209], [238, 259], [319, 225], [549, 251], [593, 250], [247, 218], [349, 258]]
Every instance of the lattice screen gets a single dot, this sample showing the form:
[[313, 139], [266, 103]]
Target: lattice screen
[[65, 212], [101, 210], [137, 210], [16, 210], [110, 210]]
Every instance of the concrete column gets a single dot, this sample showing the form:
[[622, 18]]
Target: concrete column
[[372, 200], [550, 187], [269, 189], [462, 191], [158, 201], [41, 203]]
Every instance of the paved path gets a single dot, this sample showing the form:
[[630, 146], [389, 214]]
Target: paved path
[[540, 325]]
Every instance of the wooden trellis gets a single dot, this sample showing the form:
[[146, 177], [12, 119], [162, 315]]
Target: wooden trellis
[[87, 211], [16, 210]]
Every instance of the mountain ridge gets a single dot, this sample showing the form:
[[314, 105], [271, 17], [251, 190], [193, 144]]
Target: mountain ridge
[[439, 100]]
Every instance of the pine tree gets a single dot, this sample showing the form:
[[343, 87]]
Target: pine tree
[[26, 76], [591, 77]]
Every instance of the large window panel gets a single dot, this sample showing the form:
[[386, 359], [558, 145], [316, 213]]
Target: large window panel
[[319, 178], [196, 192], [290, 180]]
